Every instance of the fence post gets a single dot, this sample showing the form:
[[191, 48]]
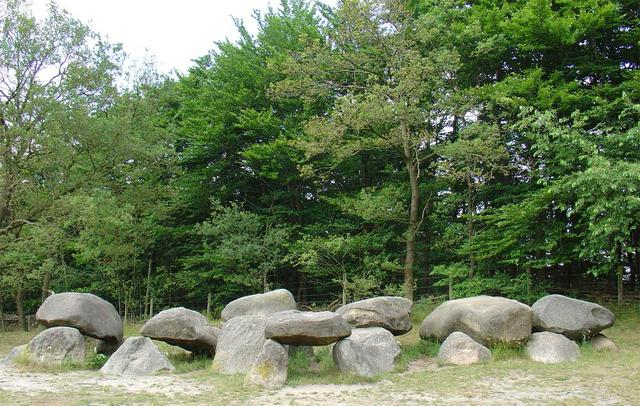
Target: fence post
[[209, 305]]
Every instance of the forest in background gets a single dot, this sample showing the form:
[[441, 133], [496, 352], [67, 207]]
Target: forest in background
[[413, 148]]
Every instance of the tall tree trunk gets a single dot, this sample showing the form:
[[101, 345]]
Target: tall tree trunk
[[45, 286], [22, 319], [470, 212], [344, 288], [410, 161], [147, 294]]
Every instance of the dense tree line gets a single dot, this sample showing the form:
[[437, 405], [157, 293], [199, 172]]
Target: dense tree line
[[381, 147]]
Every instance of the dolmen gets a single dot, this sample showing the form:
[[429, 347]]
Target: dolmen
[[69, 318], [184, 328], [547, 330], [260, 331]]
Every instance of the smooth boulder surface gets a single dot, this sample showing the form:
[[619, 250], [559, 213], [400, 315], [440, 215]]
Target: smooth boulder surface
[[573, 318], [486, 319], [601, 342], [137, 356], [460, 349], [239, 344], [269, 370], [57, 345], [368, 352], [183, 327], [93, 316], [294, 327], [13, 354], [551, 348], [389, 312], [261, 304]]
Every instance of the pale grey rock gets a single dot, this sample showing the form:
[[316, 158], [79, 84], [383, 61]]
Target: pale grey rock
[[183, 327], [601, 342], [93, 316], [389, 312], [551, 348], [55, 346], [137, 356], [261, 304], [239, 344], [460, 349], [573, 318], [486, 319], [367, 351], [294, 327], [15, 353], [269, 369]]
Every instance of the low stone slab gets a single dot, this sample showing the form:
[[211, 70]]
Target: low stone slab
[[551, 348], [269, 370], [261, 304], [367, 351], [573, 318], [601, 342], [91, 315], [389, 312], [137, 356], [240, 341], [486, 319], [460, 349], [294, 327], [13, 355], [183, 327], [56, 345]]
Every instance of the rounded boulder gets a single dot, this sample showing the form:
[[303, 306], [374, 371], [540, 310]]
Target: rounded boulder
[[389, 312], [573, 318], [260, 304]]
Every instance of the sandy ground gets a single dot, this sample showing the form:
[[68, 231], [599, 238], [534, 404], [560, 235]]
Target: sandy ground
[[89, 387]]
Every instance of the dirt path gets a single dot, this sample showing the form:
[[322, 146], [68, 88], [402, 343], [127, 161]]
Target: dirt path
[[91, 387]]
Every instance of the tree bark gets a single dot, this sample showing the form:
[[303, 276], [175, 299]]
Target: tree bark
[[45, 286], [470, 213], [147, 294], [22, 319], [412, 229]]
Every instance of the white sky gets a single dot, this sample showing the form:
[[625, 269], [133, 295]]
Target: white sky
[[175, 32]]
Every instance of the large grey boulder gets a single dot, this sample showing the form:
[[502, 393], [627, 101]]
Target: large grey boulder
[[261, 304], [551, 348], [601, 342], [486, 319], [269, 369], [573, 318], [294, 327], [137, 356], [367, 351], [183, 327], [15, 353], [390, 312], [93, 316], [239, 344], [55, 346], [460, 349]]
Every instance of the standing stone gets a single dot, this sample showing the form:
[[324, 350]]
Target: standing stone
[[367, 351], [390, 312], [56, 346], [486, 319], [137, 356], [294, 327], [573, 318], [183, 327], [269, 370], [601, 342], [93, 316], [15, 353], [551, 348], [239, 344], [261, 304], [460, 349]]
